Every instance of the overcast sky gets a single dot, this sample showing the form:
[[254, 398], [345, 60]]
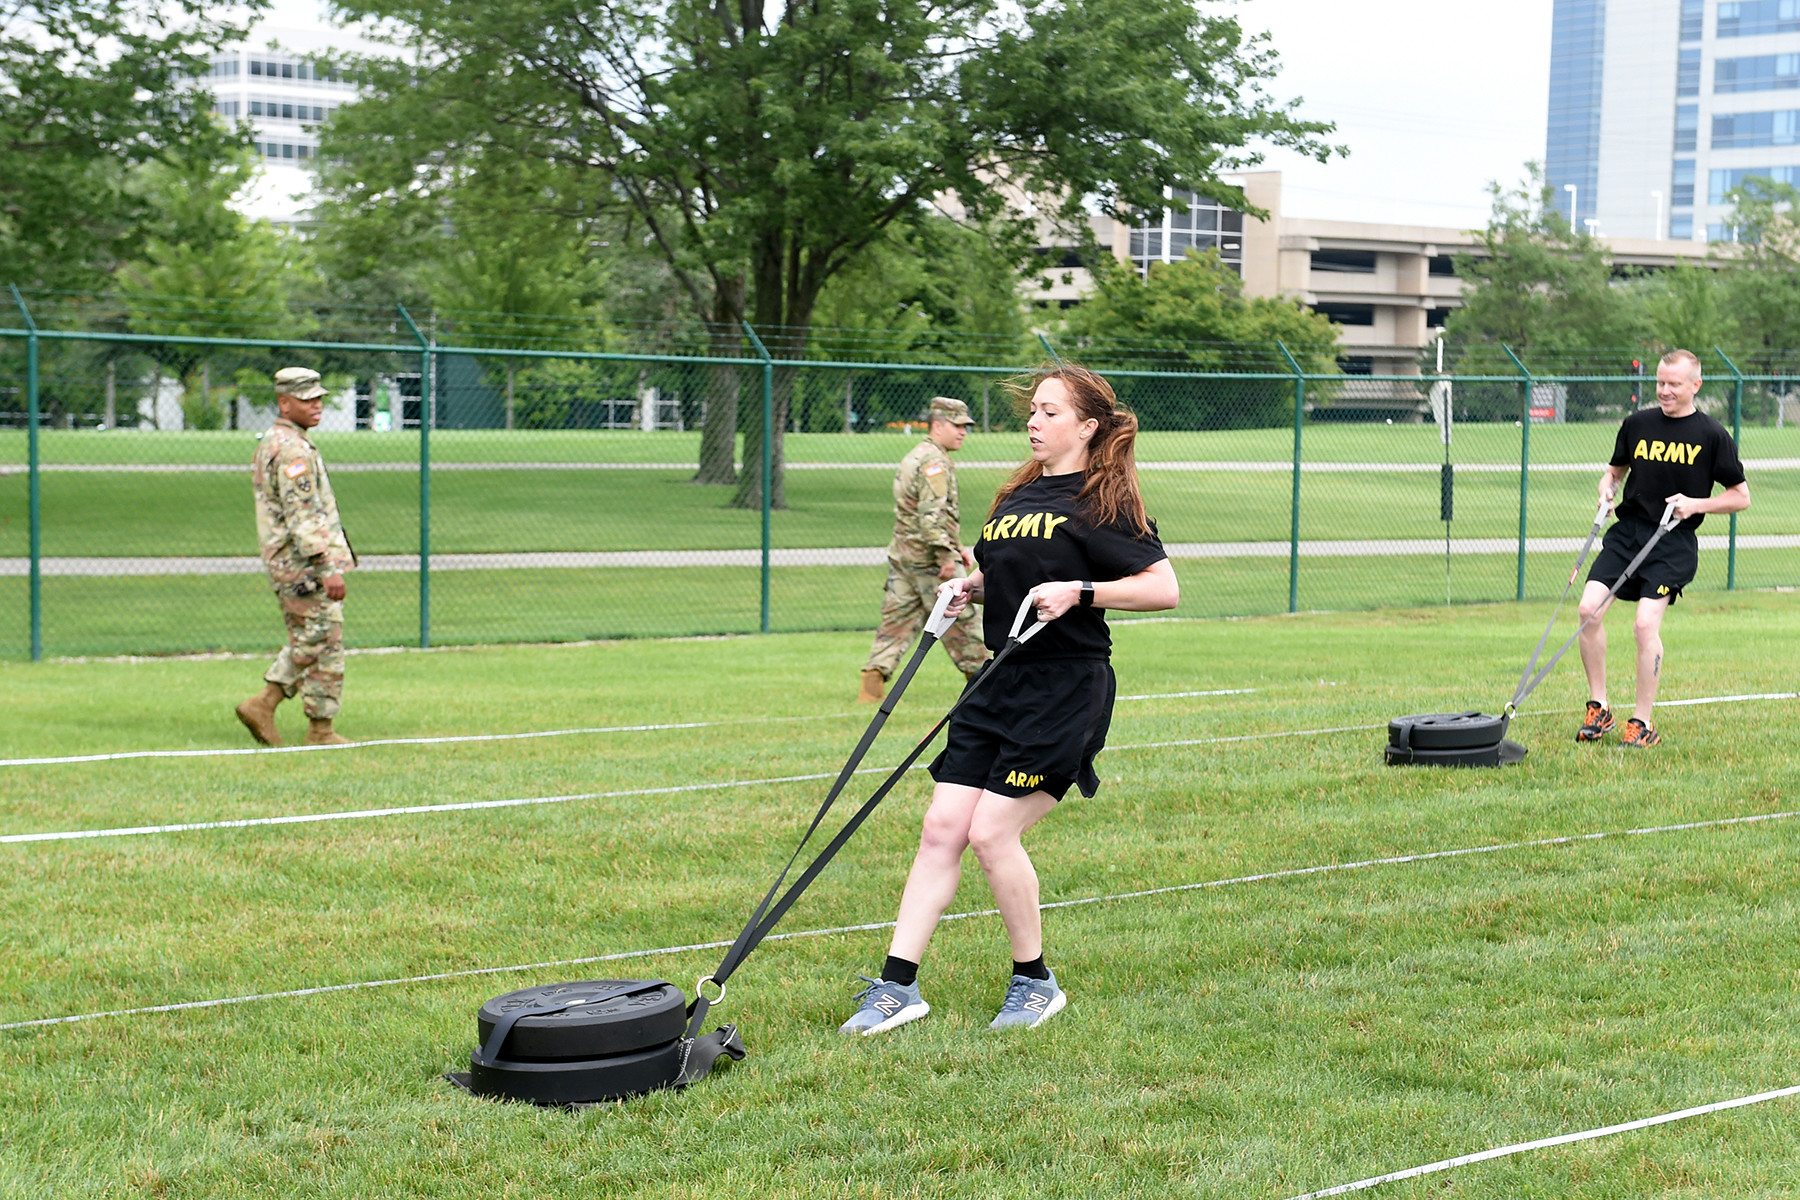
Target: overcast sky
[[1435, 99]]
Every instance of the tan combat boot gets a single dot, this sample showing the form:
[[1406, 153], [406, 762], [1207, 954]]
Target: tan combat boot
[[874, 687], [320, 733], [258, 714]]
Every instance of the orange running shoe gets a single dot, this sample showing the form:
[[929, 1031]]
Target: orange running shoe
[[1639, 735], [1599, 721]]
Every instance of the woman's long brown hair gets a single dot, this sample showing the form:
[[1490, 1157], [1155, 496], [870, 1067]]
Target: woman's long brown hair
[[1111, 489]]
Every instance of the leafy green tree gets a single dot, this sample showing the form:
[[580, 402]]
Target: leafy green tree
[[1193, 316], [1540, 284], [209, 271], [1688, 305], [1761, 287], [89, 91], [764, 148]]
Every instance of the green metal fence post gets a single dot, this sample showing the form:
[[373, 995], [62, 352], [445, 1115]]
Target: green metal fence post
[[425, 417], [1294, 514], [35, 500], [768, 459], [1737, 436], [1524, 456]]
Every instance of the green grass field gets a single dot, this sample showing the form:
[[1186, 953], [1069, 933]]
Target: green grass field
[[1256, 1039], [120, 514]]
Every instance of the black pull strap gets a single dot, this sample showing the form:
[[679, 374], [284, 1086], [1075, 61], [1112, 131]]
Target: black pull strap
[[1580, 560], [738, 949], [763, 921], [1530, 683]]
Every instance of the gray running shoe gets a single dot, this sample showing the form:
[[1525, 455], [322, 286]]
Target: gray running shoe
[[885, 1005], [1030, 1002]]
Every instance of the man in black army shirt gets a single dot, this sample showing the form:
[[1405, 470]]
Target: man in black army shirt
[[1670, 454]]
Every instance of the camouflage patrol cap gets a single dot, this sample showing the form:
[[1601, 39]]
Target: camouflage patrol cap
[[943, 408], [302, 383]]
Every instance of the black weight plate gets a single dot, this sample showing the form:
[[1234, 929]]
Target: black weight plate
[[622, 1025], [1501, 754], [580, 1082], [1446, 731]]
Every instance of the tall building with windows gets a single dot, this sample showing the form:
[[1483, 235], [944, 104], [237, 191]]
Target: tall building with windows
[[1658, 108], [283, 81]]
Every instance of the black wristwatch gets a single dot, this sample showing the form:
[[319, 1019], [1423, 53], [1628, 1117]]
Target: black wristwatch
[[1087, 594]]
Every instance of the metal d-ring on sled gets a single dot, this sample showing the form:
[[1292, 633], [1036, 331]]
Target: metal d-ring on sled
[[593, 1040], [1474, 739]]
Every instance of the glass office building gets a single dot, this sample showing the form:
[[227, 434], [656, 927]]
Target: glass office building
[[1659, 108], [1572, 139]]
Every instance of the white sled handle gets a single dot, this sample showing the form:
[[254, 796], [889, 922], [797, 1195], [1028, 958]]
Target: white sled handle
[[1025, 606], [937, 624], [1668, 518]]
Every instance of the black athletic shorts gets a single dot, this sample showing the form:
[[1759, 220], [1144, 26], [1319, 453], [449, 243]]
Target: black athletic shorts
[[1669, 567], [1034, 727]]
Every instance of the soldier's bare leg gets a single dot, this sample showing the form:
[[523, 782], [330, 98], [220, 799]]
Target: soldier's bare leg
[[1647, 627]]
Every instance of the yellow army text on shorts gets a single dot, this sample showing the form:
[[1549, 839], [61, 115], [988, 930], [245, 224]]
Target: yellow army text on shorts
[[926, 539], [302, 543]]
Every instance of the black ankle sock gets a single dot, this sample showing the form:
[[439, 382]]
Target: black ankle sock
[[1035, 969], [898, 970]]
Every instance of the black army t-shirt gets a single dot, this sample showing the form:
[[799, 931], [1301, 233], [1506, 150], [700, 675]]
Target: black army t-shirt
[[1667, 455], [1041, 534]]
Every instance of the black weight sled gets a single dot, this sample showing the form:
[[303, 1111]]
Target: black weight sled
[[1466, 739], [1473, 739], [591, 1041]]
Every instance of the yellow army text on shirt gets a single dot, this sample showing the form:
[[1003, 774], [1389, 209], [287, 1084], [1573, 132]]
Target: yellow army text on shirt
[[925, 512], [297, 523]]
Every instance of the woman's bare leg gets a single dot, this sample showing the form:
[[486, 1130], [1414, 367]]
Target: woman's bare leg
[[936, 869], [995, 828]]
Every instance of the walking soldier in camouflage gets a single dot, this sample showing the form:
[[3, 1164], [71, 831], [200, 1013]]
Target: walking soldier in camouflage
[[306, 554], [927, 549]]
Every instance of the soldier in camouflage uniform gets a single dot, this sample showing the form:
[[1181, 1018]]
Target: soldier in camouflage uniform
[[927, 550], [306, 554]]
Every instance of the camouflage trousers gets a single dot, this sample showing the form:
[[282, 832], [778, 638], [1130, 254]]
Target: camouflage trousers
[[911, 593], [312, 663]]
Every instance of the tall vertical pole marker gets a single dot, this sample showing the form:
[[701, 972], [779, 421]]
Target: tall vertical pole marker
[[425, 418], [35, 501], [1524, 457], [768, 458]]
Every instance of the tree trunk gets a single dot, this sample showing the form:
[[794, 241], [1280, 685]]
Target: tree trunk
[[512, 371], [849, 392], [112, 394], [749, 493], [718, 432], [783, 300]]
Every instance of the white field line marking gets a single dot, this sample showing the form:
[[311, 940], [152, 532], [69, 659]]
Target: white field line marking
[[241, 751], [71, 835], [1260, 877], [1729, 699], [238, 752], [1585, 1135]]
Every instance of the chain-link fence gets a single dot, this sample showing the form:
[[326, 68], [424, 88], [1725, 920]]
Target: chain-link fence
[[528, 491]]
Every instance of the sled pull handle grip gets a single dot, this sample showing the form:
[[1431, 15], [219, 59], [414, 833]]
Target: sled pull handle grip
[[1668, 518], [1025, 606], [937, 625]]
